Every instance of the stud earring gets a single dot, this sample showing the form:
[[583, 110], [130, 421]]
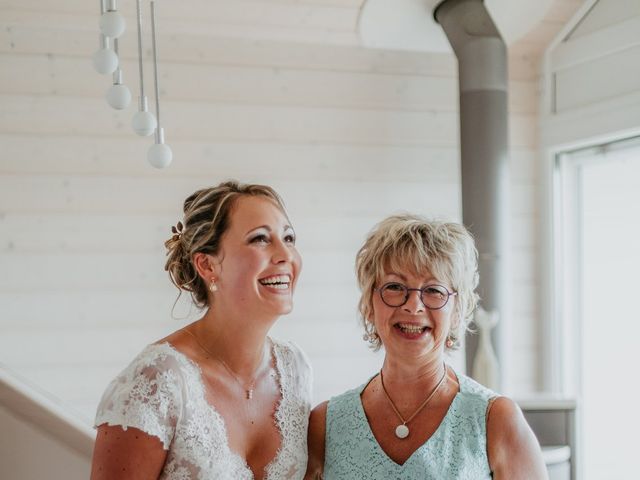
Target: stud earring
[[449, 343], [213, 287]]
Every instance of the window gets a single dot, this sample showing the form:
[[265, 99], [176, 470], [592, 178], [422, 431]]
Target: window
[[597, 223]]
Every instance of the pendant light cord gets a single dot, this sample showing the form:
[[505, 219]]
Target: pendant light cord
[[155, 61], [139, 20]]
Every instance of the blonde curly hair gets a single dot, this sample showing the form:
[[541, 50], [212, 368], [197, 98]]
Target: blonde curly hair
[[410, 242]]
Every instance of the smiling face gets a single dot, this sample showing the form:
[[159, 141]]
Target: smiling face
[[257, 267], [412, 329]]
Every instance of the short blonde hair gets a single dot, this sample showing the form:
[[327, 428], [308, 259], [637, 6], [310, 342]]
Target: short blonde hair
[[402, 242]]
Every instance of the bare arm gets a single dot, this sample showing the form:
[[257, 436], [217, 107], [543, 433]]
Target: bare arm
[[315, 441], [126, 454], [512, 447]]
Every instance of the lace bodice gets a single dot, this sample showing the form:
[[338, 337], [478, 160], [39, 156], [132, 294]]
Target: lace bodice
[[162, 393], [456, 450]]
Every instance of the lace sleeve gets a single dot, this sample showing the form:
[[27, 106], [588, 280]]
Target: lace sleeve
[[146, 395]]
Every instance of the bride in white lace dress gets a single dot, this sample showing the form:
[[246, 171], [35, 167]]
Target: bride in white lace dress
[[217, 399]]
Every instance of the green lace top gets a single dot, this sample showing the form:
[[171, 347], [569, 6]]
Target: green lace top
[[456, 450]]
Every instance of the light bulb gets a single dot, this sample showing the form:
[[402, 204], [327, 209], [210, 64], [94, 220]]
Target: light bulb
[[118, 96], [144, 123], [112, 24], [105, 61], [159, 155]]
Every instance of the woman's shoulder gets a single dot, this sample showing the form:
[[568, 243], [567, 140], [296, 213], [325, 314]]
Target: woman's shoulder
[[288, 352], [474, 390], [156, 358], [345, 402], [148, 393]]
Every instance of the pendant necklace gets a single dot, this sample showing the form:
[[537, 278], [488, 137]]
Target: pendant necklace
[[248, 390], [402, 431]]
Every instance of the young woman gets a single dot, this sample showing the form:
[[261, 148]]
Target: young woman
[[217, 398]]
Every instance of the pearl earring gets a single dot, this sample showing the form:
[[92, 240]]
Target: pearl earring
[[213, 287]]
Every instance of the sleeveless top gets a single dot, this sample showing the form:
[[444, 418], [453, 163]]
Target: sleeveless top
[[162, 393], [456, 450]]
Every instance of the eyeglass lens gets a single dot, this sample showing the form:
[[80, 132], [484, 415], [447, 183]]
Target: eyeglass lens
[[397, 294]]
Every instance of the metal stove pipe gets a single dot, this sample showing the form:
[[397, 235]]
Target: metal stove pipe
[[482, 65]]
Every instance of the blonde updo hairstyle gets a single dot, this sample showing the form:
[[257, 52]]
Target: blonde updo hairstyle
[[410, 242], [207, 216]]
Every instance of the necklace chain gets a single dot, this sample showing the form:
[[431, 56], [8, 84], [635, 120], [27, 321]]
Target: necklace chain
[[248, 391], [422, 405]]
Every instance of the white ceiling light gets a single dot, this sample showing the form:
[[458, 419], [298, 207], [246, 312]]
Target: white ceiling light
[[118, 96], [105, 61], [112, 23], [159, 154]]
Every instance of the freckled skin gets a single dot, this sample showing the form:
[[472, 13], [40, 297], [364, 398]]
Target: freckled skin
[[113, 458]]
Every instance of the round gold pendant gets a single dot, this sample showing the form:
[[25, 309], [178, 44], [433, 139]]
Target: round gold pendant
[[402, 431]]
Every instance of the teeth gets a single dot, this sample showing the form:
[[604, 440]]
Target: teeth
[[278, 281], [411, 328]]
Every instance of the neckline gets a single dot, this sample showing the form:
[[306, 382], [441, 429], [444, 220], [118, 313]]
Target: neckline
[[223, 424], [436, 433]]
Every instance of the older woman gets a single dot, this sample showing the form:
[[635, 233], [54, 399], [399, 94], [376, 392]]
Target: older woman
[[417, 418], [217, 398]]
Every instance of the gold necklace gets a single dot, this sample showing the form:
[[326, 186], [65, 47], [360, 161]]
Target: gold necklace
[[402, 431], [248, 391]]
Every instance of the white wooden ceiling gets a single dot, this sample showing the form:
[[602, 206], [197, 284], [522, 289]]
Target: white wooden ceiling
[[329, 22]]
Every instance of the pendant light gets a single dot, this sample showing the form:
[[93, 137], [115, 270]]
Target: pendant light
[[118, 95], [159, 154], [112, 23], [144, 122], [105, 60]]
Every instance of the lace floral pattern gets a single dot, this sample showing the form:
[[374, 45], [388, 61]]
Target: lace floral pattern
[[161, 393], [456, 450]]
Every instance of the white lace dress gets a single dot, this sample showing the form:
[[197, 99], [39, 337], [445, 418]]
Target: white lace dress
[[162, 393]]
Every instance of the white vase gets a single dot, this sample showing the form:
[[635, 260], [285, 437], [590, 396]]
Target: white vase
[[485, 364]]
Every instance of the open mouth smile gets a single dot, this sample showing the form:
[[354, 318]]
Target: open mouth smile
[[276, 282], [412, 330]]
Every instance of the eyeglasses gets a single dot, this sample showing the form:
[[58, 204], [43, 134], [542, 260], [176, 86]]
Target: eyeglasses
[[395, 294]]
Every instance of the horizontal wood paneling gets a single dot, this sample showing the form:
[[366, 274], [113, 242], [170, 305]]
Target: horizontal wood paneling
[[612, 39], [214, 12], [40, 114], [100, 155], [234, 19], [247, 85], [38, 35], [613, 75], [162, 195]]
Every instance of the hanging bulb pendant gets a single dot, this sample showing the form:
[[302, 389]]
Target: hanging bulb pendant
[[144, 122], [118, 95], [159, 154], [112, 23], [105, 60]]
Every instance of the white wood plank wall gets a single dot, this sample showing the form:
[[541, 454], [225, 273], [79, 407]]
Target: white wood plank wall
[[346, 135]]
